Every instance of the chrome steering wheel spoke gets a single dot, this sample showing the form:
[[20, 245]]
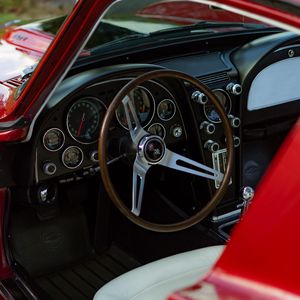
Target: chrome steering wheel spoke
[[138, 183], [135, 129], [181, 163]]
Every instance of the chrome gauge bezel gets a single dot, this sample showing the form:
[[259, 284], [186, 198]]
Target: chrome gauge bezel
[[79, 164], [227, 112], [174, 113], [63, 135], [67, 125], [164, 129], [151, 97]]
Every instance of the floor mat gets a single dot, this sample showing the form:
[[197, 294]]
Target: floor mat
[[46, 246], [82, 281]]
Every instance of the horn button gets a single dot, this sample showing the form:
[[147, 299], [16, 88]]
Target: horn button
[[152, 149]]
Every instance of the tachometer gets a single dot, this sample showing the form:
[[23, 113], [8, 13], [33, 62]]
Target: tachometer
[[84, 119], [209, 109], [144, 107]]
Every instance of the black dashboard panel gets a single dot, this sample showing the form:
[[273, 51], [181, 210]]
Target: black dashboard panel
[[219, 67], [197, 65], [78, 155]]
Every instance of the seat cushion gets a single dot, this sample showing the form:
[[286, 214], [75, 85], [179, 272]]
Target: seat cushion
[[158, 279]]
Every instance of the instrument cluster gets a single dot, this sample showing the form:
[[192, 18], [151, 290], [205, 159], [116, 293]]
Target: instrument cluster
[[69, 142]]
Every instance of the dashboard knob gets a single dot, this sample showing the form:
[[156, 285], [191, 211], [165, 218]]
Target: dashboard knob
[[211, 146], [177, 131], [234, 121], [234, 88], [236, 141], [247, 193], [199, 97], [209, 128], [49, 168], [94, 156]]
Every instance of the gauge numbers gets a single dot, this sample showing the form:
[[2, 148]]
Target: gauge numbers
[[144, 107], [84, 119]]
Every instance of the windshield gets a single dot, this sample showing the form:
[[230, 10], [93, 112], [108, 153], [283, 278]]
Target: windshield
[[127, 24], [133, 20]]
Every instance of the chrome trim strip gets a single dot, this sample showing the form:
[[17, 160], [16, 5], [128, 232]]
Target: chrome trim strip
[[220, 218]]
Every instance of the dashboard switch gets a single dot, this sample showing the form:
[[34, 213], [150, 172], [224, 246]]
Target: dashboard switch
[[234, 88], [209, 128], [234, 121], [199, 97], [94, 156], [211, 146], [49, 168], [177, 131], [236, 141]]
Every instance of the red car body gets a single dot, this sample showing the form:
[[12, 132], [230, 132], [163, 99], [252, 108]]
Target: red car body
[[262, 258]]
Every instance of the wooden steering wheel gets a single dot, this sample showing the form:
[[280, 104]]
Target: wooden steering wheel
[[151, 150]]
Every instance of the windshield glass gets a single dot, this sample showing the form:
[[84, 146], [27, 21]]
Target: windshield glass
[[133, 20], [28, 27]]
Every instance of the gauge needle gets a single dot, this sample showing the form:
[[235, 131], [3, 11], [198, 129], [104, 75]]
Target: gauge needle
[[81, 124]]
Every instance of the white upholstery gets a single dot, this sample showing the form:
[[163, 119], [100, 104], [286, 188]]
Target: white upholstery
[[158, 279]]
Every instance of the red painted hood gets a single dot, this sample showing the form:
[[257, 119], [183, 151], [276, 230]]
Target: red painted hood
[[20, 48], [13, 61]]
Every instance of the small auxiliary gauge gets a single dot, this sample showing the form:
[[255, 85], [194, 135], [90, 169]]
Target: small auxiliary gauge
[[72, 157], [157, 129], [53, 139], [166, 110]]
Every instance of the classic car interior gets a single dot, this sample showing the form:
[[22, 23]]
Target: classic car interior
[[65, 237]]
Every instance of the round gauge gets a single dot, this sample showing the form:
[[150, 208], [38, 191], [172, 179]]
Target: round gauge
[[166, 110], [210, 111], [157, 129], [53, 139], [144, 107], [72, 157], [84, 119]]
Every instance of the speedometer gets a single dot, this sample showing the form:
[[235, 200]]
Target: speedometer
[[84, 119], [144, 107]]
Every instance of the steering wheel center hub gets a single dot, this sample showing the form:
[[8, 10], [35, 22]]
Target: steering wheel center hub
[[152, 149]]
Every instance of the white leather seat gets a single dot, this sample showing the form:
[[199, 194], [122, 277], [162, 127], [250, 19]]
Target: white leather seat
[[158, 279]]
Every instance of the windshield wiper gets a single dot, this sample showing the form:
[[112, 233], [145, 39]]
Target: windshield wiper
[[202, 27], [205, 27], [125, 38]]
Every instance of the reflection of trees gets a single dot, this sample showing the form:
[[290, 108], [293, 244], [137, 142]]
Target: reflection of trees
[[33, 7]]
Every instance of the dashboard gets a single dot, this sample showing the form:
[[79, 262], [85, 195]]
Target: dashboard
[[68, 143], [64, 145]]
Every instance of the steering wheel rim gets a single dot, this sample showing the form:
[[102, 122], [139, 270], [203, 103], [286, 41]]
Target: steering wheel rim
[[114, 196]]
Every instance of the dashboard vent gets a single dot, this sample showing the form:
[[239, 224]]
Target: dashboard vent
[[213, 78]]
